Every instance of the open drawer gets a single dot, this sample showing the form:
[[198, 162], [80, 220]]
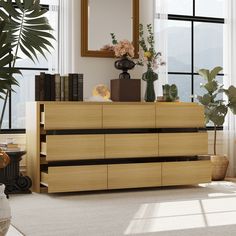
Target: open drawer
[[73, 147], [186, 172], [75, 178]]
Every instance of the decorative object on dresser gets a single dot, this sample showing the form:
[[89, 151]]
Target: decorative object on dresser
[[100, 94], [53, 87], [215, 111], [170, 93], [5, 212], [151, 58], [96, 146], [24, 27]]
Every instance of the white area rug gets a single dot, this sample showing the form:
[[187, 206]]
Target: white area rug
[[183, 211]]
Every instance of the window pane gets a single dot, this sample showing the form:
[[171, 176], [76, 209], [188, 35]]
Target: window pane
[[183, 83], [24, 93], [179, 46], [180, 7], [5, 123], [209, 8], [208, 45]]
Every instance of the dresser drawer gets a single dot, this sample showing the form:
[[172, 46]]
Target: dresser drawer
[[187, 172], [73, 147], [71, 116], [131, 145], [75, 178], [179, 115], [183, 144], [129, 116], [134, 175]]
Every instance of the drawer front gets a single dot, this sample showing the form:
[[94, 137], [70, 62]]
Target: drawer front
[[75, 178], [134, 175], [188, 172], [129, 116], [131, 145], [72, 116], [179, 115], [74, 147], [183, 144]]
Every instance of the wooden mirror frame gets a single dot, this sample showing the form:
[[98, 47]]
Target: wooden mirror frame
[[85, 52]]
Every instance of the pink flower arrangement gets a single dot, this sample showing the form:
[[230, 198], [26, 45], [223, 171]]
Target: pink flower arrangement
[[124, 48]]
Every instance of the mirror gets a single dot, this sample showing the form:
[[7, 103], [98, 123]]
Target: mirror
[[102, 17]]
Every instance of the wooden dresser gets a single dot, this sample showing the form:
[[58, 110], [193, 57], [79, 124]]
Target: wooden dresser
[[81, 146]]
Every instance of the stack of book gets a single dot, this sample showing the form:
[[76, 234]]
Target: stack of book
[[54, 87], [9, 147]]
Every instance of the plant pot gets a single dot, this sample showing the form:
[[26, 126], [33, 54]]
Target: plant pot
[[5, 212], [219, 167]]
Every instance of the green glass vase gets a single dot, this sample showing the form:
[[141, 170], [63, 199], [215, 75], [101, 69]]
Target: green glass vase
[[150, 76]]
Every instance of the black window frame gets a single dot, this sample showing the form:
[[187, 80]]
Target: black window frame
[[192, 19], [10, 130]]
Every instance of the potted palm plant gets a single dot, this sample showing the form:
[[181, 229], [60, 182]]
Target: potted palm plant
[[23, 27], [216, 109]]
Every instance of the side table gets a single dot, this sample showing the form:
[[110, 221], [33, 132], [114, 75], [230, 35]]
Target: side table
[[14, 181]]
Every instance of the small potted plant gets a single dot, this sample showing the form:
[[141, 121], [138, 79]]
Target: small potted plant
[[216, 109]]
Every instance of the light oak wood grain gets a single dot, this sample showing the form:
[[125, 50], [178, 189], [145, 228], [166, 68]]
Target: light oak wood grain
[[134, 175], [126, 116], [188, 172], [179, 115], [72, 116], [75, 178], [131, 145], [73, 147], [183, 144]]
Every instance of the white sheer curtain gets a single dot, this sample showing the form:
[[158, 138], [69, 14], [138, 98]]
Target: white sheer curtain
[[66, 36], [161, 39], [230, 79]]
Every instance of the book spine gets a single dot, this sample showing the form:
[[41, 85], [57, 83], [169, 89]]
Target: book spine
[[80, 87], [53, 88], [70, 87], [75, 87], [57, 87], [37, 87], [62, 78], [66, 88], [42, 87], [47, 87]]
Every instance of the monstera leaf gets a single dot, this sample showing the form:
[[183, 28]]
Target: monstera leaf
[[6, 72], [28, 28]]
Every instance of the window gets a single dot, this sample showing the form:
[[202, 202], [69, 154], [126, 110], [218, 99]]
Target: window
[[195, 41], [14, 117]]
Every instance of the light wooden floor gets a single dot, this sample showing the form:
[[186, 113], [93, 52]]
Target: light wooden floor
[[13, 232]]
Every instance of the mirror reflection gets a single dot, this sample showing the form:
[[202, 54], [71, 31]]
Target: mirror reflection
[[109, 16]]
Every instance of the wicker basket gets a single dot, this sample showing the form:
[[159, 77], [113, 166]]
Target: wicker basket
[[4, 226], [219, 167]]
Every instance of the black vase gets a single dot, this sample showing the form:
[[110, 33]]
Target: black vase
[[124, 64]]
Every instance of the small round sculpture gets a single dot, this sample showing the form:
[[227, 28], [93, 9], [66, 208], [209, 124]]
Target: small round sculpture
[[101, 90]]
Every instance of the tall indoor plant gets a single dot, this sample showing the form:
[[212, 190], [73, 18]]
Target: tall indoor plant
[[23, 27], [216, 109]]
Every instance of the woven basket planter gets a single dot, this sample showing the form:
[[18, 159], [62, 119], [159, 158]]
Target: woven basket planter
[[4, 226], [219, 167]]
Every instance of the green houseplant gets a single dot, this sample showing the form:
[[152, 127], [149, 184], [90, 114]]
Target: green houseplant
[[23, 27], [216, 109]]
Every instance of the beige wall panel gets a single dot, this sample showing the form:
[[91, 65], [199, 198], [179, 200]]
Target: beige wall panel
[[129, 116], [75, 178], [188, 172], [134, 175], [72, 116], [73, 147], [131, 145], [178, 114], [183, 144]]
